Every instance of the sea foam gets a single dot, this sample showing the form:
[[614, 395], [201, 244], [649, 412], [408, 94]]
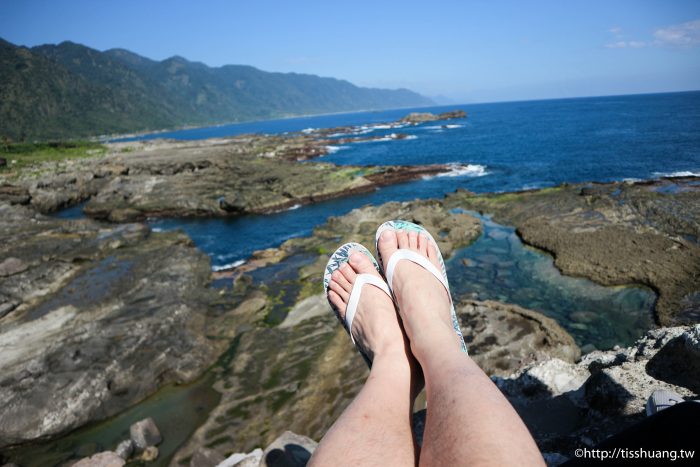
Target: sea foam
[[458, 170], [682, 173], [223, 267]]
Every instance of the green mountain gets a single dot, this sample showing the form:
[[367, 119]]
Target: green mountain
[[70, 91]]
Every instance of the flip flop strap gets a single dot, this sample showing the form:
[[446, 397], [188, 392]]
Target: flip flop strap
[[354, 300], [420, 260]]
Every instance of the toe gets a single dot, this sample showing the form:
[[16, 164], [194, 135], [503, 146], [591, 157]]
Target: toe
[[432, 254], [387, 245], [413, 240], [423, 244], [341, 276], [337, 288], [337, 302], [362, 264], [402, 237]]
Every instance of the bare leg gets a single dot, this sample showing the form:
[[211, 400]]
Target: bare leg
[[469, 421], [375, 429]]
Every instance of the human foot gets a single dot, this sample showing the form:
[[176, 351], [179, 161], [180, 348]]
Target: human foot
[[374, 325], [420, 287]]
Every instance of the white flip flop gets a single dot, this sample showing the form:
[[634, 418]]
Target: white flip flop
[[404, 254], [338, 258]]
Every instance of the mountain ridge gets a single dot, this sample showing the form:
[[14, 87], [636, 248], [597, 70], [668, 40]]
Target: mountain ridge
[[70, 90]]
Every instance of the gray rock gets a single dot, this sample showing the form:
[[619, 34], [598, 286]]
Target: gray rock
[[239, 459], [102, 459], [502, 338], [93, 329], [145, 433], [289, 450], [7, 307], [11, 266], [567, 405], [125, 449], [204, 457]]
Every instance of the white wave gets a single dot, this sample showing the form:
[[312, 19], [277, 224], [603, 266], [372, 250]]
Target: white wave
[[458, 170], [334, 149], [308, 130], [296, 206], [156, 229], [681, 173], [411, 137], [383, 127], [454, 125], [223, 267], [631, 180], [432, 127]]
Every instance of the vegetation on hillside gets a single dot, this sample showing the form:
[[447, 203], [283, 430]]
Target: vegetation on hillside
[[67, 91]]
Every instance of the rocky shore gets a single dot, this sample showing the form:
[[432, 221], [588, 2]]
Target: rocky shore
[[96, 316], [614, 234], [213, 178]]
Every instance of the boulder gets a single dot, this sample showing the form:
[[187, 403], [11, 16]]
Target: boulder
[[145, 433]]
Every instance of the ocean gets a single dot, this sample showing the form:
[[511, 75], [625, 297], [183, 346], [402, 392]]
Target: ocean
[[499, 147]]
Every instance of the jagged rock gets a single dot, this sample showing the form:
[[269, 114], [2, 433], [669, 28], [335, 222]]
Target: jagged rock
[[252, 459], [568, 405], [204, 457], [125, 449], [149, 454], [289, 450], [145, 433], [102, 459]]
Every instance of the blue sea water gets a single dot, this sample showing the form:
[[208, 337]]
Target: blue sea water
[[504, 146]]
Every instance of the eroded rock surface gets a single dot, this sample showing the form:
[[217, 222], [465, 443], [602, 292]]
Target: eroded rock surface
[[615, 234], [101, 317], [279, 377]]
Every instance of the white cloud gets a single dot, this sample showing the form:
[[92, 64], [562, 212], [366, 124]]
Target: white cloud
[[683, 35], [626, 44], [677, 35], [616, 45]]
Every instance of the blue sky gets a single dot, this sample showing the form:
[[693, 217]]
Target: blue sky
[[466, 50]]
